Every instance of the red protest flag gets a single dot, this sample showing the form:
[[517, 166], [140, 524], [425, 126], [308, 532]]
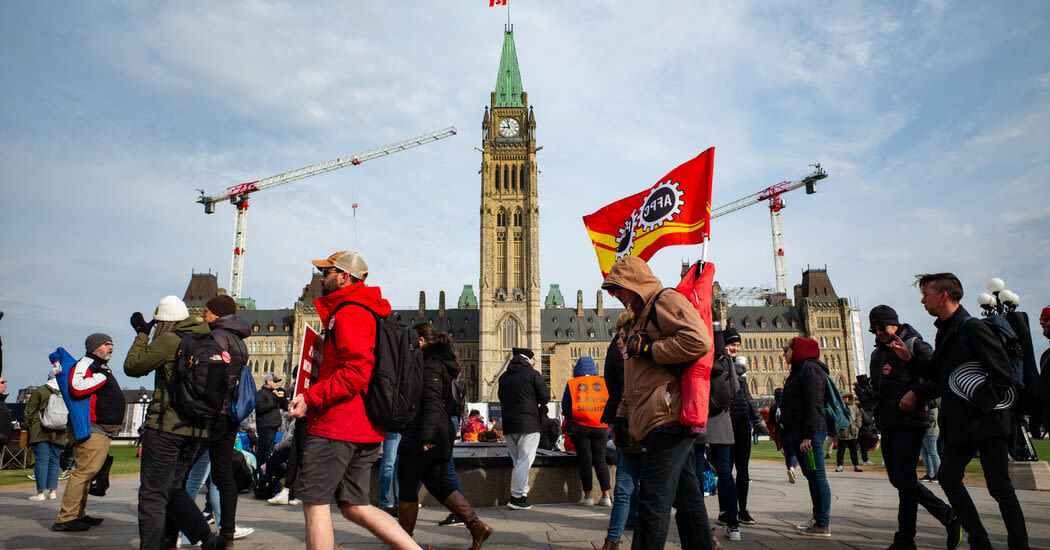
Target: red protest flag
[[677, 210]]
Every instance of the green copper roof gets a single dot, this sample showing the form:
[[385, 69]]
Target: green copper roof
[[508, 80]]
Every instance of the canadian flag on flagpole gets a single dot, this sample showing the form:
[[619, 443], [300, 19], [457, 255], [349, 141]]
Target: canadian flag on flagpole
[[497, 3]]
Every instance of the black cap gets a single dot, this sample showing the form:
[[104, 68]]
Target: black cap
[[883, 315], [730, 335], [523, 351]]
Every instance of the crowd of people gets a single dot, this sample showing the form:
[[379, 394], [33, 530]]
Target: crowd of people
[[330, 442]]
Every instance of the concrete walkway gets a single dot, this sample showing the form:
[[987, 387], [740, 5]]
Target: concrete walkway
[[863, 516]]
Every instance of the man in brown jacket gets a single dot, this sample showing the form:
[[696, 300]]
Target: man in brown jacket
[[652, 403]]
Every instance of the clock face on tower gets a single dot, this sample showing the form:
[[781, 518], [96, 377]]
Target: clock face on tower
[[508, 127]]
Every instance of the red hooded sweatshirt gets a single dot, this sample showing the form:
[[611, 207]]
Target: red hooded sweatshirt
[[337, 410]]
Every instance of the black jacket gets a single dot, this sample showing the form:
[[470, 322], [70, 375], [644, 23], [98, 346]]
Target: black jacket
[[5, 421], [521, 392], [891, 378], [550, 430], [230, 332], [803, 398], [268, 409], [974, 419], [433, 423], [743, 408], [613, 381]]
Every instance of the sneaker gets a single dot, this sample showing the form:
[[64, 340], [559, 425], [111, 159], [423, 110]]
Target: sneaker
[[279, 498], [791, 475], [38, 496], [857, 469], [925, 478], [52, 495], [90, 521], [809, 523], [933, 479], [519, 503], [71, 525], [867, 463], [295, 502], [209, 517], [745, 518], [605, 502], [241, 532], [838, 468], [586, 501], [721, 518], [733, 533], [32, 476], [392, 510], [450, 520], [65, 475], [954, 534], [815, 531]]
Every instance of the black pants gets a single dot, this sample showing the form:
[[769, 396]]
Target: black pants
[[669, 476], [165, 508], [844, 444], [900, 450], [220, 450], [264, 448], [295, 458], [741, 458], [957, 454], [590, 451], [411, 469]]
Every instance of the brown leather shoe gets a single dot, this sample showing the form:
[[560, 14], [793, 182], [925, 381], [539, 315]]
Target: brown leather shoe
[[610, 545], [479, 531]]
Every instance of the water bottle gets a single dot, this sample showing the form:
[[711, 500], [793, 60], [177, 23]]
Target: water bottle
[[809, 460]]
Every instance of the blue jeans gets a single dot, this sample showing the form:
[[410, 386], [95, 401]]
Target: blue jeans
[[388, 470], [727, 501], [199, 475], [669, 474], [819, 491], [625, 493], [264, 446], [46, 468], [931, 457], [453, 479]]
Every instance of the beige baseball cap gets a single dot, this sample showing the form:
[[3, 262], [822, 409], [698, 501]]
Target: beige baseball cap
[[350, 262]]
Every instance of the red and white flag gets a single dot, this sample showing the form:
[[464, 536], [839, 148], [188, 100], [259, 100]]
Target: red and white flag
[[493, 3]]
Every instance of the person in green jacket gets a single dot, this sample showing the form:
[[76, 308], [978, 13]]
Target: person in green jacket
[[47, 443], [848, 438], [169, 444]]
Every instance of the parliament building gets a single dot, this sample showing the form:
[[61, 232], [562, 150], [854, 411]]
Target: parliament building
[[509, 309]]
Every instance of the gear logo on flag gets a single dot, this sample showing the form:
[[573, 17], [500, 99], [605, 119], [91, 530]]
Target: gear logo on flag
[[661, 205], [625, 242]]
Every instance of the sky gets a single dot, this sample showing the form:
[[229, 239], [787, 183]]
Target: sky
[[931, 118]]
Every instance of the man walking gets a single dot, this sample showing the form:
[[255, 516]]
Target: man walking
[[96, 409], [342, 443], [903, 430], [521, 392], [657, 352], [967, 351], [268, 407]]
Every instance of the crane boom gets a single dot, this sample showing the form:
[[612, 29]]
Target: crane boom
[[238, 194], [776, 204]]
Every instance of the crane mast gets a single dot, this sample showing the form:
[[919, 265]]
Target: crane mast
[[238, 194], [772, 195]]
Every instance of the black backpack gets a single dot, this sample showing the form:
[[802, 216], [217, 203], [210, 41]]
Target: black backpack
[[198, 382], [100, 483], [396, 386]]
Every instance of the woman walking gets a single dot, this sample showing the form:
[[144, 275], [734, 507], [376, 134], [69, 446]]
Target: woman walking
[[806, 429], [47, 442], [426, 443]]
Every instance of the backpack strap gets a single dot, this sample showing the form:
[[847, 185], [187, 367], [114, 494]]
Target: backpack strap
[[375, 315], [651, 319]]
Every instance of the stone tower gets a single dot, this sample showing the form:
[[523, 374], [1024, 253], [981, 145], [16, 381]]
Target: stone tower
[[509, 298]]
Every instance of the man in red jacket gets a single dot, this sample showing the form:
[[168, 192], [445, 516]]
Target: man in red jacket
[[341, 442]]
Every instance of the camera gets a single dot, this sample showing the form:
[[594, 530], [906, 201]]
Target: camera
[[866, 394]]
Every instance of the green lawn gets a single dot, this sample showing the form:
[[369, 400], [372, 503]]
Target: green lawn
[[124, 462], [767, 451]]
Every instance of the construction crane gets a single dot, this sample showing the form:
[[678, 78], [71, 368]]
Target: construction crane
[[238, 194], [776, 204]]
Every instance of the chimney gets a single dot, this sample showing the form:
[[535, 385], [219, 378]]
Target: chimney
[[579, 303], [441, 304], [422, 304], [601, 307]]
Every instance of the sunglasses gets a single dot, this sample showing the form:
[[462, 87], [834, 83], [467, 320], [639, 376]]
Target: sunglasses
[[326, 271]]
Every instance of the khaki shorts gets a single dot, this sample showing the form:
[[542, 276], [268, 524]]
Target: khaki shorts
[[336, 468]]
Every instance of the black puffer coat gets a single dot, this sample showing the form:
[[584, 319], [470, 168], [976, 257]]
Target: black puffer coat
[[521, 392], [433, 424], [743, 408], [268, 407], [892, 378]]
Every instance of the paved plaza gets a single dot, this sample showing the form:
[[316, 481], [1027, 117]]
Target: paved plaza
[[863, 516]]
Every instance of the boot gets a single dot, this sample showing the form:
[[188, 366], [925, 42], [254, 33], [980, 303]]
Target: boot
[[406, 515], [610, 545], [457, 504]]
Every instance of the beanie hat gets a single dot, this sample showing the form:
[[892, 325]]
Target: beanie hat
[[523, 351], [1046, 311], [222, 305], [171, 308], [730, 335], [883, 315], [91, 343]]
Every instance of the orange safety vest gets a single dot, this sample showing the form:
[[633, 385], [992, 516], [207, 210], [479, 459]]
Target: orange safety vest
[[589, 395]]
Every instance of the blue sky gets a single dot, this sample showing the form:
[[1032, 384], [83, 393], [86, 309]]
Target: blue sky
[[932, 119]]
